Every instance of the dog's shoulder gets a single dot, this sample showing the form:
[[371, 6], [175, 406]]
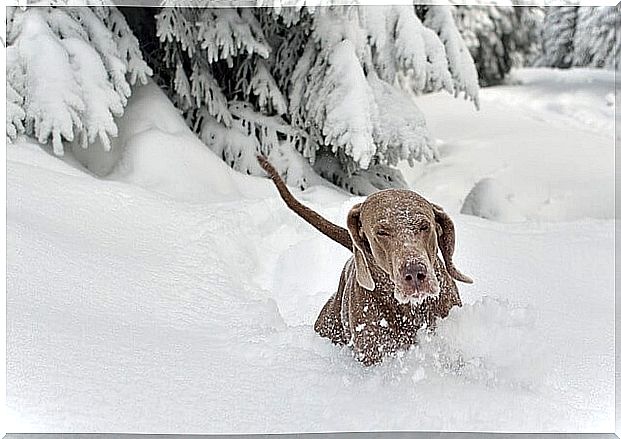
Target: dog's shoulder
[[333, 322]]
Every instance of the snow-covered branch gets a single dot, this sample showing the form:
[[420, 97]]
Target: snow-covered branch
[[73, 71], [461, 65], [343, 77]]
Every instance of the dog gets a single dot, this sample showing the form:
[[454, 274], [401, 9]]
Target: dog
[[395, 282]]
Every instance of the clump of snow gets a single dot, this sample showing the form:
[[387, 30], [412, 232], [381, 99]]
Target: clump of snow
[[103, 102], [347, 89], [401, 134], [465, 78], [491, 344], [489, 199], [52, 107], [68, 67]]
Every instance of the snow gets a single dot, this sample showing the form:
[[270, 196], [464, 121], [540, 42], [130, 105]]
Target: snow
[[52, 105], [547, 141], [401, 133], [345, 89], [66, 68], [489, 199], [346, 82], [103, 102], [178, 296], [581, 36], [264, 87], [461, 65]]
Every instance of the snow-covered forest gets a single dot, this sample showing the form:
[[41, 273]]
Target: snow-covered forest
[[157, 283]]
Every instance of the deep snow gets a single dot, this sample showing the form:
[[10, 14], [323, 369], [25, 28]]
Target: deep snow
[[178, 296]]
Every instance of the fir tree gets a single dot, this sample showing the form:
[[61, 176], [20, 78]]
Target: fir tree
[[581, 36], [597, 39], [314, 82], [558, 36], [499, 37]]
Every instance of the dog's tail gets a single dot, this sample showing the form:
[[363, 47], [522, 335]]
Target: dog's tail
[[336, 233]]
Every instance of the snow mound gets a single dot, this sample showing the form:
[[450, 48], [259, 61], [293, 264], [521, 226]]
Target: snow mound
[[488, 341], [490, 200], [160, 152]]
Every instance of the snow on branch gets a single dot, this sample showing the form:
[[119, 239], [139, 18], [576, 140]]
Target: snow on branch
[[333, 25], [53, 103], [461, 65], [400, 131], [380, 23], [14, 112], [205, 91], [343, 105], [73, 71], [597, 37], [362, 181], [102, 40], [206, 40], [339, 95], [342, 75], [581, 36], [410, 46], [103, 102], [128, 48], [223, 34], [264, 87], [420, 51], [251, 133]]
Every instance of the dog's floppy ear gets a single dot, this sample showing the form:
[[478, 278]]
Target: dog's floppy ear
[[363, 274], [446, 242]]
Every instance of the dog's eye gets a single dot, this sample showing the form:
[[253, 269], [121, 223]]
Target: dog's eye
[[382, 232], [424, 227]]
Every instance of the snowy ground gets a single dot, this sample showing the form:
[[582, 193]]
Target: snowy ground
[[178, 297]]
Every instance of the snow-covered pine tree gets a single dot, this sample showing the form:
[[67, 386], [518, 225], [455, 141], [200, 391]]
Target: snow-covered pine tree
[[527, 34], [597, 39], [316, 82], [582, 36], [559, 27], [499, 37], [69, 73]]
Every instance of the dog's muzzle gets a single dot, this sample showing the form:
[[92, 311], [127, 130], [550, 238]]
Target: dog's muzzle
[[415, 283]]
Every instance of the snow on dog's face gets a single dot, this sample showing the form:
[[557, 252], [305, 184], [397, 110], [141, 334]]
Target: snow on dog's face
[[398, 231]]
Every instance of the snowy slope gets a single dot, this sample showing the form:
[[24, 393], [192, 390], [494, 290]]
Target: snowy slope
[[179, 297], [546, 143]]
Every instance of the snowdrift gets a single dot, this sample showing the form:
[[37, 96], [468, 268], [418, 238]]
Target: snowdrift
[[546, 141], [177, 296]]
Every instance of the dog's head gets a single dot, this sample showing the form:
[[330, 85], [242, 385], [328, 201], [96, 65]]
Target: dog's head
[[401, 232]]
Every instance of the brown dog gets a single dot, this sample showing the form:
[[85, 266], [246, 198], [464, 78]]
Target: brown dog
[[395, 282]]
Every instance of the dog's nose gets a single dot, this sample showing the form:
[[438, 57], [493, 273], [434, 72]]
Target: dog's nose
[[414, 273]]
